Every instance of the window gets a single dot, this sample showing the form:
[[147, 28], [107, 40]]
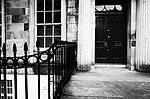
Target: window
[[9, 89], [108, 7], [48, 21]]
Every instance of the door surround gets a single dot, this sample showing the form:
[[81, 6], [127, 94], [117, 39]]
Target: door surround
[[97, 2]]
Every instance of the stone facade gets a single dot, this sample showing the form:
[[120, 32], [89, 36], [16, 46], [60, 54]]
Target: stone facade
[[72, 20], [20, 20], [17, 26]]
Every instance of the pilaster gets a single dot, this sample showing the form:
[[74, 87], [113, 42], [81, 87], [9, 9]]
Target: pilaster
[[84, 35], [143, 36]]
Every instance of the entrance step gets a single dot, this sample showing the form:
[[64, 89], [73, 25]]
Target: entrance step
[[106, 90], [114, 82], [110, 65]]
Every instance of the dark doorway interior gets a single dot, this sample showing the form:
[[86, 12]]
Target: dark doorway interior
[[111, 36]]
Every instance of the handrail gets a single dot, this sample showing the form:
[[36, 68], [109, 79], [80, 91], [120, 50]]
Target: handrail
[[56, 44], [60, 59]]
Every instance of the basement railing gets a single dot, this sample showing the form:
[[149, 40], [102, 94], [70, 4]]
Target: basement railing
[[51, 71]]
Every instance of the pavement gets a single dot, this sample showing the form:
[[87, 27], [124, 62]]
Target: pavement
[[108, 82]]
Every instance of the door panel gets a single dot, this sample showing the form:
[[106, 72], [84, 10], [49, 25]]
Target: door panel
[[101, 51], [110, 39], [101, 38]]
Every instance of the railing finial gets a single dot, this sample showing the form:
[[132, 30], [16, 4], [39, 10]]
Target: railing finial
[[37, 43], [25, 46], [4, 47], [14, 48]]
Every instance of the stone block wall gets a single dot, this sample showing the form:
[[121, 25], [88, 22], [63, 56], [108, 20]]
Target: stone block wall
[[17, 24], [72, 20]]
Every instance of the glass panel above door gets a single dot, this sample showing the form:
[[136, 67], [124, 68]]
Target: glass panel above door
[[108, 8]]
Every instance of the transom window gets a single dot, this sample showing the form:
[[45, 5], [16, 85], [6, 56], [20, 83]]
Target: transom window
[[108, 7], [48, 21]]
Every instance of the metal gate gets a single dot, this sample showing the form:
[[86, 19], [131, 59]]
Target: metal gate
[[59, 61]]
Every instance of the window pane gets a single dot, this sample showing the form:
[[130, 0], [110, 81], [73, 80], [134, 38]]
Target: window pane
[[9, 90], [40, 17], [2, 90], [57, 4], [0, 18], [0, 7], [48, 41], [41, 39], [48, 11], [40, 30], [0, 31], [0, 41], [48, 5], [2, 82], [2, 97], [40, 5], [48, 30], [10, 83], [57, 17], [7, 83], [57, 38], [9, 97], [48, 17], [57, 30]]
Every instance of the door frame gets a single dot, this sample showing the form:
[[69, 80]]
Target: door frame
[[94, 34], [120, 61]]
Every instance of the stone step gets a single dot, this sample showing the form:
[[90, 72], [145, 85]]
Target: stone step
[[108, 83], [91, 97], [106, 89]]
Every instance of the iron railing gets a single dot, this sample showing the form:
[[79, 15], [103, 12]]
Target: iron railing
[[59, 61]]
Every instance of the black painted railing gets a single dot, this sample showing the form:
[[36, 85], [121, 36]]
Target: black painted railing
[[59, 62]]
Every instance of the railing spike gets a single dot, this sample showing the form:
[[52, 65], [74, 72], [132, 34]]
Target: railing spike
[[25, 46], [58, 52], [4, 47], [37, 43], [14, 48]]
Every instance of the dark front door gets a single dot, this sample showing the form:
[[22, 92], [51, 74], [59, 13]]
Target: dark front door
[[110, 39]]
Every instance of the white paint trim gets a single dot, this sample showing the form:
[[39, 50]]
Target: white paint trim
[[3, 22], [63, 20], [84, 54], [143, 35], [31, 26], [133, 30], [93, 30], [63, 23], [32, 86]]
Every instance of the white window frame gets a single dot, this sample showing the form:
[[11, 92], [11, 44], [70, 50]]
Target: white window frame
[[8, 87], [3, 22], [63, 23]]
